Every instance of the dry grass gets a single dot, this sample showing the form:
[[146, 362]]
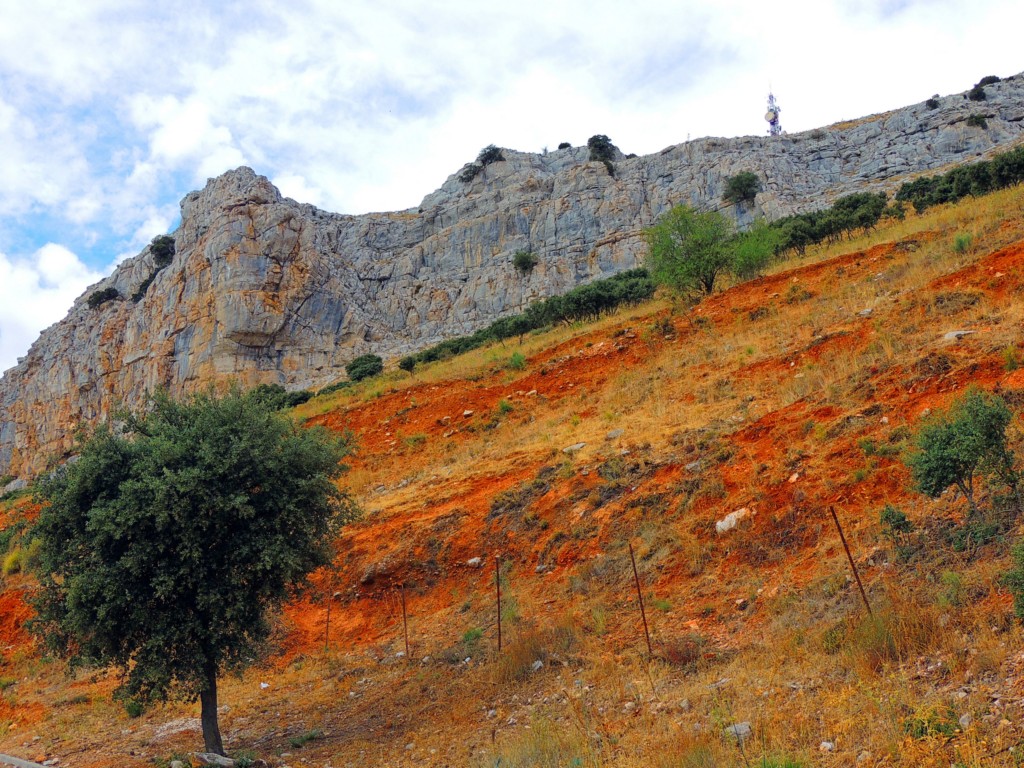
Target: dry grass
[[760, 625]]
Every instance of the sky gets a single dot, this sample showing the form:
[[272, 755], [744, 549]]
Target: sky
[[111, 111]]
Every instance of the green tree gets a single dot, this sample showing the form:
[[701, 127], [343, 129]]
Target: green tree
[[688, 250], [955, 445], [363, 367], [168, 544], [741, 188]]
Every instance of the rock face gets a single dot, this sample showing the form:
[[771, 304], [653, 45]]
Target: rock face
[[264, 289]]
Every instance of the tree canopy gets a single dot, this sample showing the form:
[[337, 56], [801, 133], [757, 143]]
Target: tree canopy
[[688, 249], [955, 445], [168, 544]]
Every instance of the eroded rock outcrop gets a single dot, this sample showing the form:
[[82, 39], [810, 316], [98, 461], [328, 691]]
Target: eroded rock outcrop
[[264, 289]]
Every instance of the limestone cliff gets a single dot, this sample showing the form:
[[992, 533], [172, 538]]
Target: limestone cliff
[[264, 289]]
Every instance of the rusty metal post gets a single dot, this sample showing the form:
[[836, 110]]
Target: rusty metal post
[[497, 585], [640, 596], [853, 565], [405, 626]]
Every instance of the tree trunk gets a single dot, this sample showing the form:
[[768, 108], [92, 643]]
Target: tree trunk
[[967, 489], [208, 702]]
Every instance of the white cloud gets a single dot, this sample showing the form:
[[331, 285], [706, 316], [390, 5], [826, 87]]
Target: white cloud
[[35, 292]]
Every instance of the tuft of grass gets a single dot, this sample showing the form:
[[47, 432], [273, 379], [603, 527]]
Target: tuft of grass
[[304, 738], [962, 243], [13, 562], [1011, 362]]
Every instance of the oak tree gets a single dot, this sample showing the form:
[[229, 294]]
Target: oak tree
[[170, 542]]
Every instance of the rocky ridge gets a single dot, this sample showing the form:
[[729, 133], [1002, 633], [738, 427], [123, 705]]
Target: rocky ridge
[[265, 289]]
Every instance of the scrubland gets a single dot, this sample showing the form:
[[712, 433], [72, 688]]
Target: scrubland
[[542, 463]]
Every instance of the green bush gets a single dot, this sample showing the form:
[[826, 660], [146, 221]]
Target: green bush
[[565, 145], [162, 247], [1004, 170], [304, 738], [977, 121], [601, 148], [932, 103], [987, 80], [524, 261], [489, 154], [752, 251], [364, 366], [1014, 579], [977, 93], [277, 397], [133, 708], [469, 172], [741, 188], [956, 445], [585, 302], [97, 298]]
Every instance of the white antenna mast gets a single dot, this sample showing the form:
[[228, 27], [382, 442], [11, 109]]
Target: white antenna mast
[[772, 116]]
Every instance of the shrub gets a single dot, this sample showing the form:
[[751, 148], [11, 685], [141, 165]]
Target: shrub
[[977, 121], [524, 261], [12, 562], [1010, 363], [489, 154], [97, 298], [585, 302], [517, 362], [1014, 579], [962, 243], [897, 211], [469, 172], [932, 103], [977, 93], [955, 445], [304, 738], [896, 528], [277, 398], [364, 366], [162, 248], [741, 188], [1004, 170], [753, 250], [987, 80], [565, 145], [407, 363], [601, 148]]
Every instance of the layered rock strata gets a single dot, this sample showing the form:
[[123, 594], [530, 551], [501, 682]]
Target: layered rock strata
[[265, 289]]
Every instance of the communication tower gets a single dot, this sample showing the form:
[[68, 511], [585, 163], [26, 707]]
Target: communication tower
[[772, 116]]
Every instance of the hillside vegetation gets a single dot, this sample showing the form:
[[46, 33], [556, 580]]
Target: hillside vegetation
[[772, 400]]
